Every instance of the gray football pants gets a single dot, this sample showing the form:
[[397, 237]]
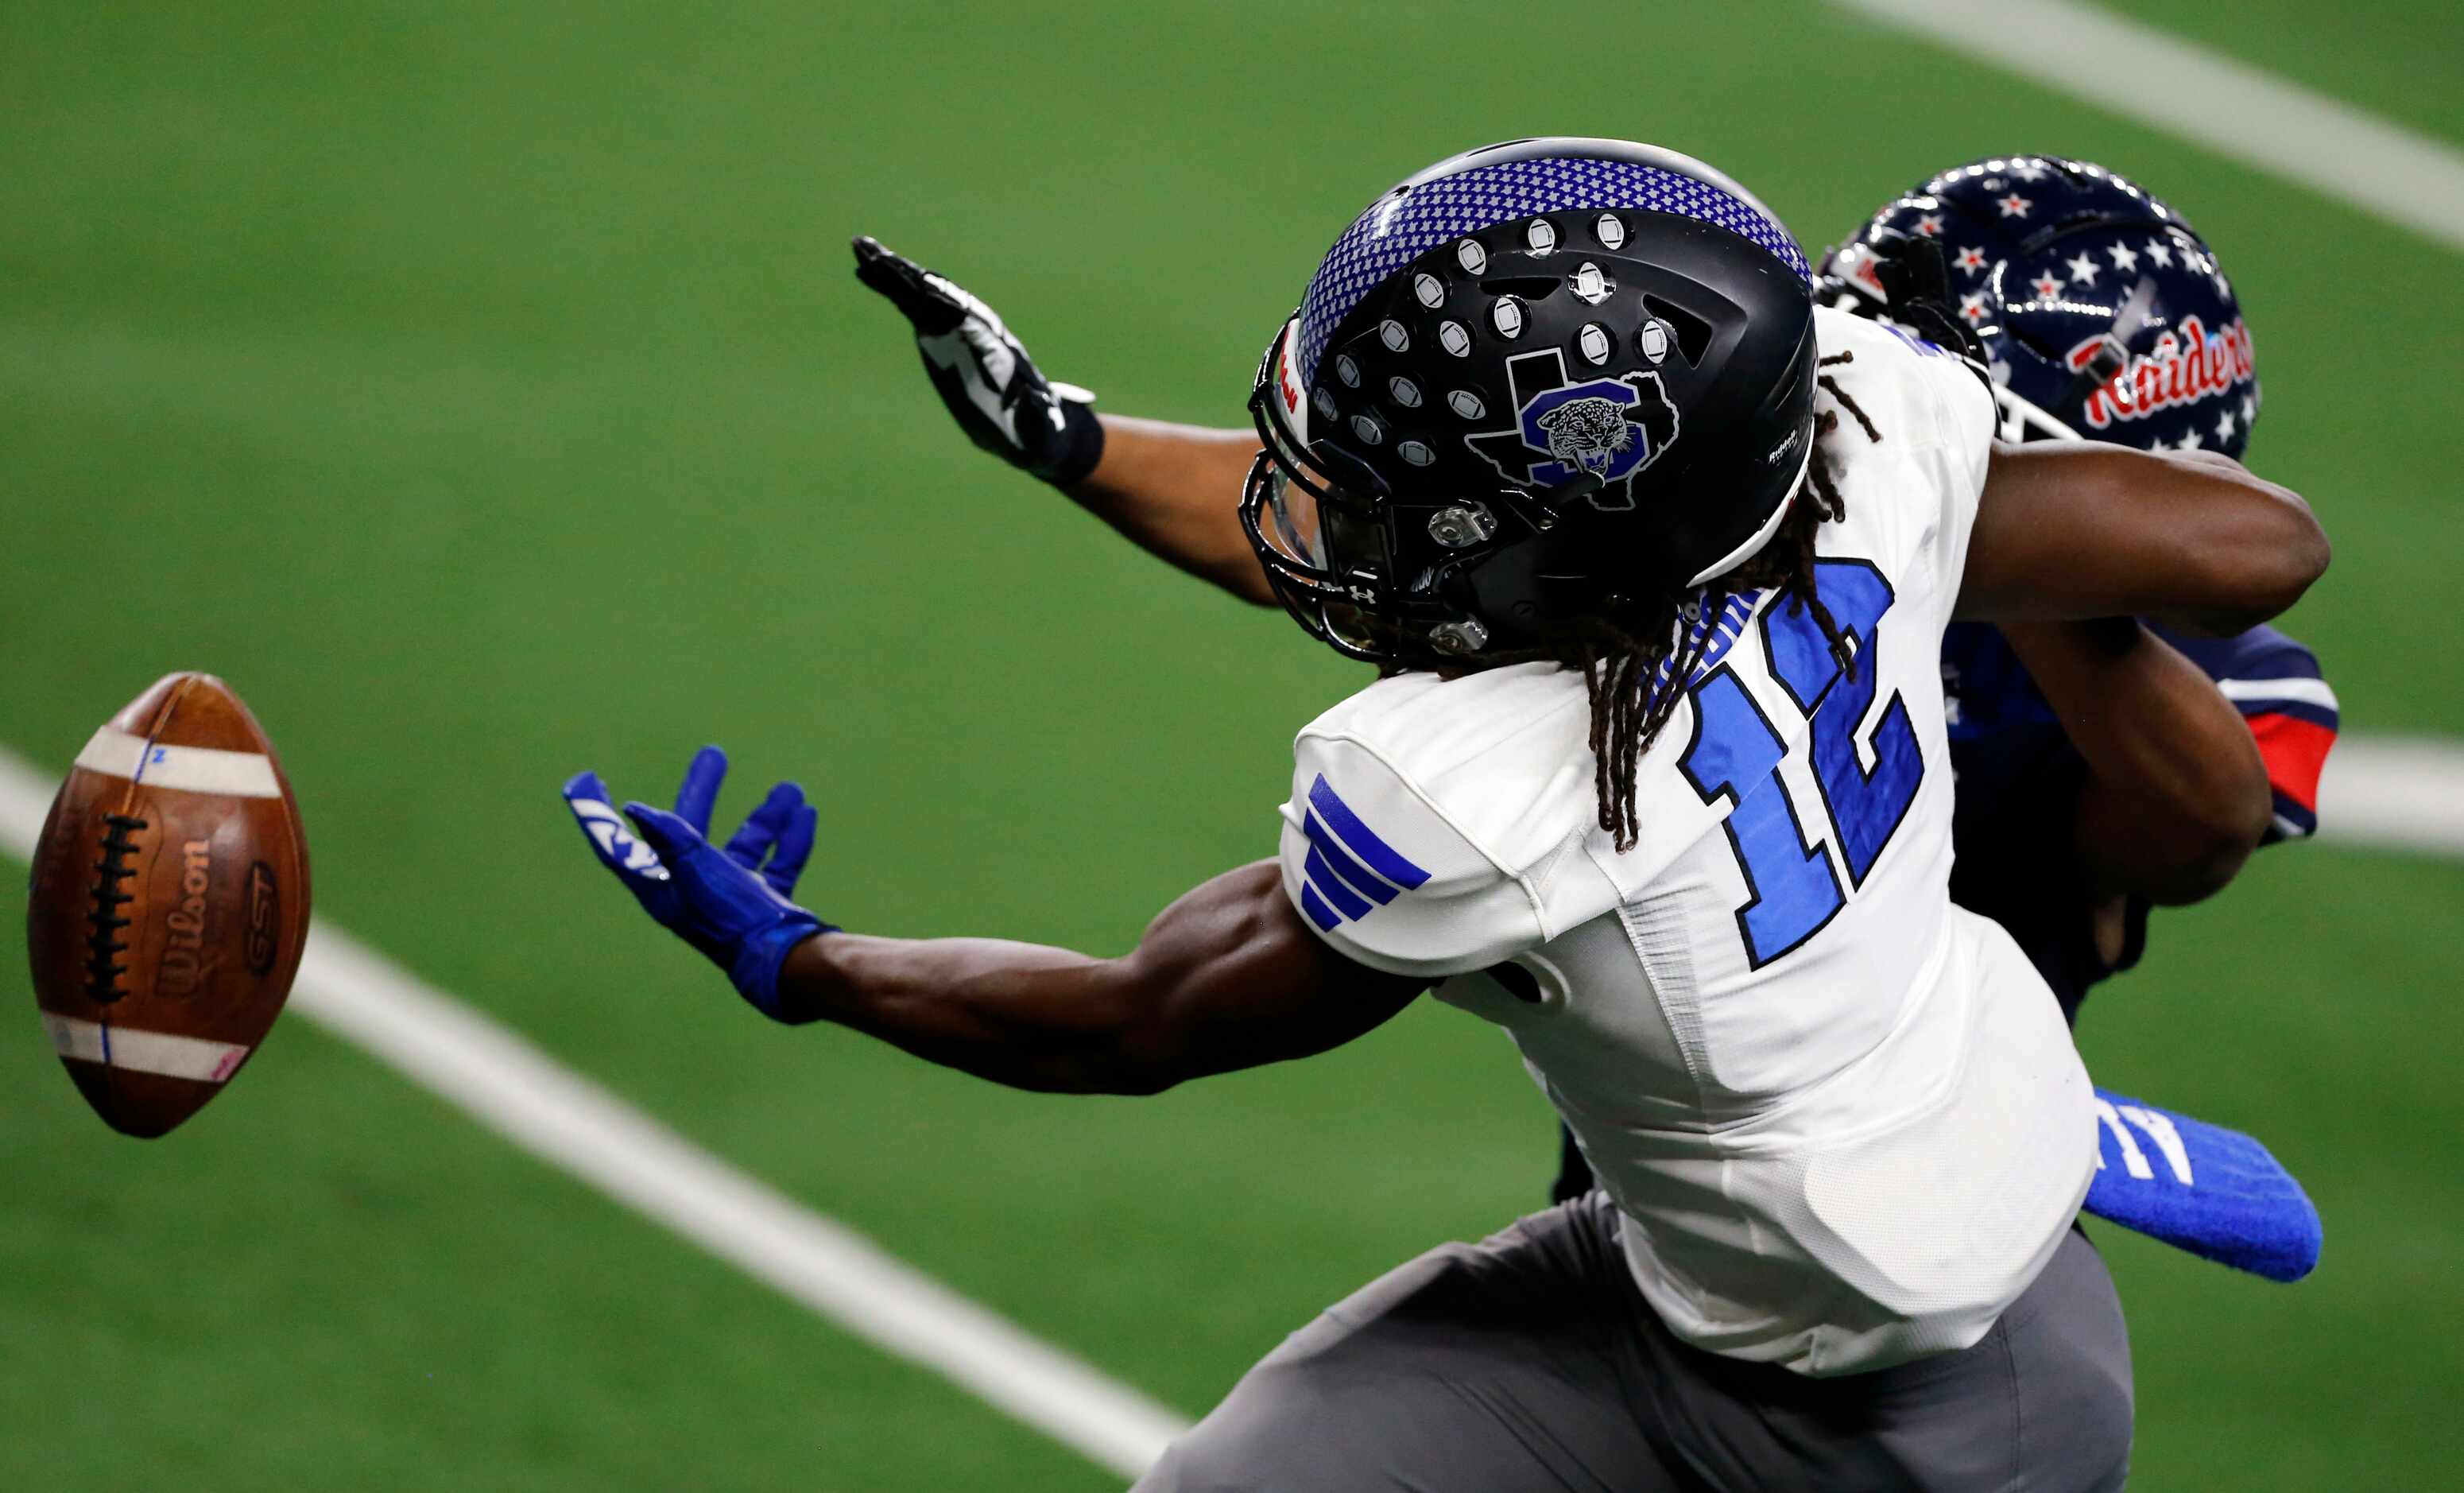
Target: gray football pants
[[1530, 1361]]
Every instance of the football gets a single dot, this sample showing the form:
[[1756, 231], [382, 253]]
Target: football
[[169, 904]]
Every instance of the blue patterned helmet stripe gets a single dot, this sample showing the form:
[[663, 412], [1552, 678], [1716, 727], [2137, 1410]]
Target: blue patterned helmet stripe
[[1395, 231]]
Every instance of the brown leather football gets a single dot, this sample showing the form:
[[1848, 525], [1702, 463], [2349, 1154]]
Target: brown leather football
[[169, 904]]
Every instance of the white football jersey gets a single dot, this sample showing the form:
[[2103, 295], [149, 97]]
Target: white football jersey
[[1842, 1117]]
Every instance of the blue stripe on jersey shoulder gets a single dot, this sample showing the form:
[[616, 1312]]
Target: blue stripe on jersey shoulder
[[1340, 862], [1362, 841], [1347, 902], [1325, 917]]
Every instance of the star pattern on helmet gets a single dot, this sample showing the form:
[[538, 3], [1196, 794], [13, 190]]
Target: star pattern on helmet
[[2189, 442], [2027, 170], [1930, 224], [2249, 410], [2083, 268], [2046, 286], [2014, 206], [1972, 305], [2161, 251], [1396, 229], [1970, 259], [2224, 428], [2124, 258]]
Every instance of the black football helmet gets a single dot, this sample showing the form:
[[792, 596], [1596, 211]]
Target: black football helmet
[[2102, 313], [1535, 382]]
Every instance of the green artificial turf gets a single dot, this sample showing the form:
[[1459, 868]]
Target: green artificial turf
[[482, 390]]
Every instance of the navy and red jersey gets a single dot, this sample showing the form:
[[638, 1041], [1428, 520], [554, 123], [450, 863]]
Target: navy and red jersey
[[2019, 777]]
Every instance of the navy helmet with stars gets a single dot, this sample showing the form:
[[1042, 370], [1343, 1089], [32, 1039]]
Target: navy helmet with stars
[[1549, 379], [2103, 312]]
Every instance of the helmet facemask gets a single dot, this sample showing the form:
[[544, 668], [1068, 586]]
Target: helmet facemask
[[1378, 576]]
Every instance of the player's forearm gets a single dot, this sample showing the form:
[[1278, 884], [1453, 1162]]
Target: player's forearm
[[1226, 978], [2067, 531], [2255, 547], [1024, 1015], [1175, 491], [2177, 795]]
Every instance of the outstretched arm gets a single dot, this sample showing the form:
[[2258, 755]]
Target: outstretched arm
[[1226, 978], [2072, 530], [1173, 490]]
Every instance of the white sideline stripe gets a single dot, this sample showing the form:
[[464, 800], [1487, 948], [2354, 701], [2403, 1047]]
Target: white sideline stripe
[[2331, 148], [166, 1053], [242, 774], [569, 1122], [2395, 793], [2301, 691]]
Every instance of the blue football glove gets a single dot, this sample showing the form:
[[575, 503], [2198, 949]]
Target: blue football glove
[[730, 903], [2200, 1187]]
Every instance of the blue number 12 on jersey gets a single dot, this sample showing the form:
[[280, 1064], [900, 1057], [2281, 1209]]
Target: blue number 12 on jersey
[[1792, 889]]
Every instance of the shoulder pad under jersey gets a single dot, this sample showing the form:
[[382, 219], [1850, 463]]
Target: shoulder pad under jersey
[[1428, 815]]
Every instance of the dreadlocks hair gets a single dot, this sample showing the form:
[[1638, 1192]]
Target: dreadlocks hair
[[1637, 661]]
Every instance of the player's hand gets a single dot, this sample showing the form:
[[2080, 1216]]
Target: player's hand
[[992, 386], [732, 902], [1916, 284]]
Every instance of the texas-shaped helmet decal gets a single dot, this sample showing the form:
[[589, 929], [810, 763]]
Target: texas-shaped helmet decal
[[1608, 427]]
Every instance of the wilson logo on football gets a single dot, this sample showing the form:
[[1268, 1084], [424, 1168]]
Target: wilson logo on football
[[2186, 365], [185, 965]]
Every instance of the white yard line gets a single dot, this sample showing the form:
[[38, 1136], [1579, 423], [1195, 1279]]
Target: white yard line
[[2230, 107], [2394, 793], [453, 1051]]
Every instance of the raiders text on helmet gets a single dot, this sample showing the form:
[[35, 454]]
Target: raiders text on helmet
[[1526, 385], [2103, 312]]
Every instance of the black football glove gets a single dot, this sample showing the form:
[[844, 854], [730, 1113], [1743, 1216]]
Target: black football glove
[[992, 388], [1917, 283]]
